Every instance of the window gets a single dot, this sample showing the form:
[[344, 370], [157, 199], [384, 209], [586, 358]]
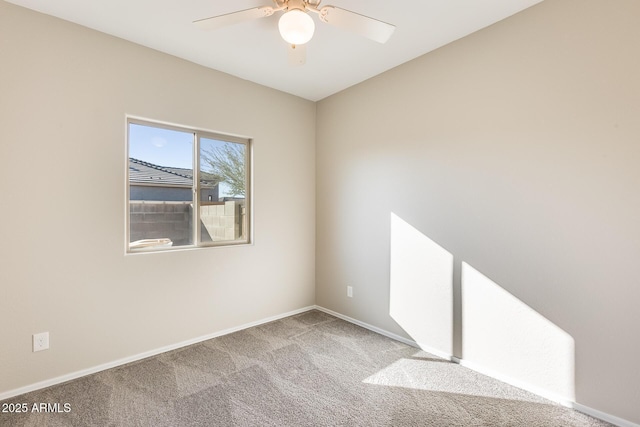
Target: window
[[187, 188]]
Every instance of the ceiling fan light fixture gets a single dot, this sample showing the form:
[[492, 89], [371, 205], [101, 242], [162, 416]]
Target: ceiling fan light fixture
[[296, 27]]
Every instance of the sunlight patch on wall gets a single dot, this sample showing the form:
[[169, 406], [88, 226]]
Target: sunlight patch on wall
[[421, 287], [503, 335]]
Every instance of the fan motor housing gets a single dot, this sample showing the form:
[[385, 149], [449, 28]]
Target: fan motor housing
[[296, 4]]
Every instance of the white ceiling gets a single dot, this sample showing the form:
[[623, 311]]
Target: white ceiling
[[254, 51]]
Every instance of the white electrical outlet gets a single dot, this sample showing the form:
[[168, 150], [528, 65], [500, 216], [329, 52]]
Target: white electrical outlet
[[40, 341], [350, 291]]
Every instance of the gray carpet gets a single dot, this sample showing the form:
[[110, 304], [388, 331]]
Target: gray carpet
[[307, 370]]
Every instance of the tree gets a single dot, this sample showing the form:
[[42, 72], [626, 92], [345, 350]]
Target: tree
[[227, 164]]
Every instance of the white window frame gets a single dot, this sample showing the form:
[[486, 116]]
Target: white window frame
[[196, 187]]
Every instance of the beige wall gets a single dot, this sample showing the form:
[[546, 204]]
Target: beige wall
[[64, 94], [515, 151]]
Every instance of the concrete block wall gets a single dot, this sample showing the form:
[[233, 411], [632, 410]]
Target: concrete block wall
[[173, 220], [157, 220], [222, 221]]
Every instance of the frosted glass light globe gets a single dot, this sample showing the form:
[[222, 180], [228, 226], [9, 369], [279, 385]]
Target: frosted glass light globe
[[296, 27]]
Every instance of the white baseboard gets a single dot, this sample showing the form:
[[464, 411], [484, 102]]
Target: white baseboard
[[421, 346], [511, 381], [562, 400], [603, 416], [84, 372]]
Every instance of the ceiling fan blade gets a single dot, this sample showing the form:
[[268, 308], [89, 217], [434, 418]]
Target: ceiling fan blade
[[297, 54], [368, 27], [232, 18]]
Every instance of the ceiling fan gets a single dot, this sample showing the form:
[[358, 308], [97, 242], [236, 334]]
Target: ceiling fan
[[297, 27]]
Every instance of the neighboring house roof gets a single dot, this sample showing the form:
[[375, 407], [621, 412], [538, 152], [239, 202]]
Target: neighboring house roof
[[141, 172]]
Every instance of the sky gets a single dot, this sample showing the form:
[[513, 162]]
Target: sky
[[162, 147]]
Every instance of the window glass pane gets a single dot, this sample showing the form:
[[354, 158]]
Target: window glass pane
[[160, 187], [223, 182]]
